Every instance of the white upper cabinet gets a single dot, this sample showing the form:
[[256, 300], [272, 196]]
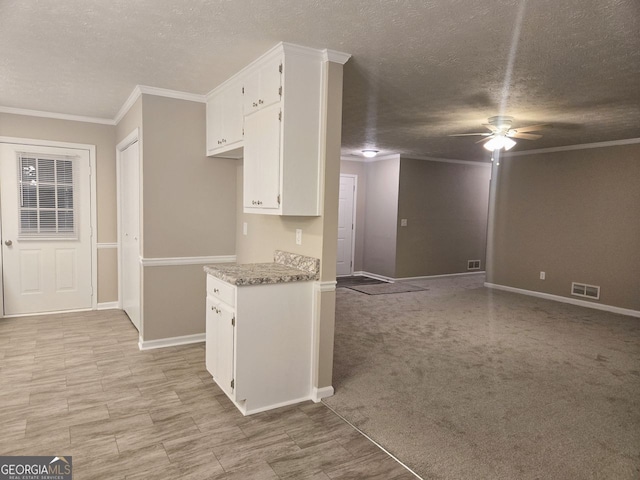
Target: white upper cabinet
[[262, 85], [282, 103], [225, 120]]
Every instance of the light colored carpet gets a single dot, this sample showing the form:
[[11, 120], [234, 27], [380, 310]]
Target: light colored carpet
[[461, 382]]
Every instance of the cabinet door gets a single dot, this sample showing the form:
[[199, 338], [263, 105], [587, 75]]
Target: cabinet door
[[270, 82], [211, 337], [214, 122], [262, 159], [251, 91], [226, 349], [232, 118]]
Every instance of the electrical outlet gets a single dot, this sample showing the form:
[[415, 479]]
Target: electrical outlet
[[298, 236], [542, 275], [403, 222], [245, 228]]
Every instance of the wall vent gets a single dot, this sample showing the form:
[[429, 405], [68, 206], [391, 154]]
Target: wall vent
[[473, 264], [584, 290]]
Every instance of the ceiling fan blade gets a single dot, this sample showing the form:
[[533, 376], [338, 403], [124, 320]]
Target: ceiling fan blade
[[485, 139], [470, 134], [493, 128], [525, 136], [531, 128]]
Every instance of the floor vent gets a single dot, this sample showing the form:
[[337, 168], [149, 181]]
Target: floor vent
[[473, 264], [583, 290]]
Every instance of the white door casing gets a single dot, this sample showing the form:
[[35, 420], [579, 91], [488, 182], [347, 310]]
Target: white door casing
[[346, 225], [48, 253], [129, 228]]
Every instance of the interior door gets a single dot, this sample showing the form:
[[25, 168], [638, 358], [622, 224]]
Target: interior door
[[346, 204], [45, 196], [129, 187]]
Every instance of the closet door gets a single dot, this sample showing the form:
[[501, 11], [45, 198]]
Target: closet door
[[130, 231]]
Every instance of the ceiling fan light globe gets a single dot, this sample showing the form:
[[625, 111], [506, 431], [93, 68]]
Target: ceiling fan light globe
[[369, 153], [498, 142]]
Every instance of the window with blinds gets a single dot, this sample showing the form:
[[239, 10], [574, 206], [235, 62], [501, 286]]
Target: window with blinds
[[46, 197]]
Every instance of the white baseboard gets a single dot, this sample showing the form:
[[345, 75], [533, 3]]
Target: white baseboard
[[271, 407], [171, 342], [374, 275], [403, 279], [318, 394], [559, 298], [108, 305], [426, 277]]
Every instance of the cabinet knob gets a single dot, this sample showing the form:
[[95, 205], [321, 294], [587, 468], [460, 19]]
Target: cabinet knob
[[260, 102], [255, 104], [219, 142], [215, 290]]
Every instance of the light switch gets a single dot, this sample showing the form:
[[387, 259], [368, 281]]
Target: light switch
[[403, 222], [298, 236], [245, 228], [542, 275]]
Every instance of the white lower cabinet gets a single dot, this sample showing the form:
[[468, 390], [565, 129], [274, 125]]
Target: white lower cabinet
[[258, 342]]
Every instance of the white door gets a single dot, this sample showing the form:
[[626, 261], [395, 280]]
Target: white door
[[45, 194], [346, 219], [129, 190]]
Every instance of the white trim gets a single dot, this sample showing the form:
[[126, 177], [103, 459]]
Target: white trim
[[138, 90], [128, 103], [317, 394], [359, 158], [101, 246], [449, 160], [245, 412], [572, 301], [164, 92], [57, 116], [373, 441], [322, 287], [171, 261], [426, 277], [335, 56], [374, 275], [108, 305], [170, 342], [20, 315], [581, 146]]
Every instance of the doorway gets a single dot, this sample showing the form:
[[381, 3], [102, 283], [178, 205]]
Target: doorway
[[346, 225], [47, 220]]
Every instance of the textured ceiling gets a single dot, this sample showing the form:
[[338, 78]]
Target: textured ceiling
[[420, 70]]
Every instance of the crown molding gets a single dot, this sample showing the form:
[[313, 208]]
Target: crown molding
[[581, 146], [335, 56], [448, 160], [138, 90], [57, 116], [392, 156]]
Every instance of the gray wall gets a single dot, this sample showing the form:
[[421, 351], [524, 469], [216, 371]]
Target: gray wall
[[446, 206], [574, 215], [381, 217], [188, 210]]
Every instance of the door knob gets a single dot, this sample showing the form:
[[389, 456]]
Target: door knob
[[8, 243]]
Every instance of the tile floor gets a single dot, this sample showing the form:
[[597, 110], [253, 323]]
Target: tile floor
[[76, 384]]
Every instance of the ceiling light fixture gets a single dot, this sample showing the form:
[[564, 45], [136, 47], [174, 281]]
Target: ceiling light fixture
[[498, 142], [369, 153]]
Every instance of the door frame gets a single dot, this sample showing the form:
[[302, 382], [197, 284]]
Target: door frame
[[353, 219], [93, 209], [133, 137]]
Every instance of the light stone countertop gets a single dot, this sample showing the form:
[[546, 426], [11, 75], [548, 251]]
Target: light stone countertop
[[287, 267]]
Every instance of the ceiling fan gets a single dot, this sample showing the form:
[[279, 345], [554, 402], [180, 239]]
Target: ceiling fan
[[501, 134]]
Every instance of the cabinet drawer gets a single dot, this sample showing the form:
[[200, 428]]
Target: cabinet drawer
[[221, 290]]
